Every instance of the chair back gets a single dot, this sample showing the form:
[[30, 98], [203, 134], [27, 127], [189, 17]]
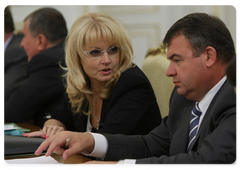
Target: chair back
[[155, 66]]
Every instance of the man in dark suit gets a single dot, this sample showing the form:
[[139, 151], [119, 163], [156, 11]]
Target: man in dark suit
[[44, 32], [15, 58], [201, 126], [231, 72]]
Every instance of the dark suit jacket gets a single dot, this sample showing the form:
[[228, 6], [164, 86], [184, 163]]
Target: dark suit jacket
[[43, 91], [131, 109], [215, 141], [15, 66]]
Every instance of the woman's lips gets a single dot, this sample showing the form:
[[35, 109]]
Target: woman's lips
[[106, 71]]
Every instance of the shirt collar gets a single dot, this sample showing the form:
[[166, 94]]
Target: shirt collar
[[205, 102]]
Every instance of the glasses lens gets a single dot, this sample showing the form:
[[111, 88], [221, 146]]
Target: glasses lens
[[113, 50], [95, 53]]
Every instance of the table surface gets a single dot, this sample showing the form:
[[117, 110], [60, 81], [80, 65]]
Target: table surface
[[74, 159]]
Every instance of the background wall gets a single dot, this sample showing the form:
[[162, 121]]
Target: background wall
[[146, 24]]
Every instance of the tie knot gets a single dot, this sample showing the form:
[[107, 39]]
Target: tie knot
[[196, 110]]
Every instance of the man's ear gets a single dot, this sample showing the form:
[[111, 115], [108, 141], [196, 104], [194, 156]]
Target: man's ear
[[42, 42], [211, 56]]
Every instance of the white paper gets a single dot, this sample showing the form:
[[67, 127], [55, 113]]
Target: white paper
[[10, 127], [35, 160]]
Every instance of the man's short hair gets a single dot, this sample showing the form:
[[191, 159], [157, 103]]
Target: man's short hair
[[49, 22], [203, 30]]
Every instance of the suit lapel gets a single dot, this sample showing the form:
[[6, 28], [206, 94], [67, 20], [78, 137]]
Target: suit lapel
[[180, 138], [212, 109]]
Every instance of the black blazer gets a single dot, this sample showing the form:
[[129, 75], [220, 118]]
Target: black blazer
[[215, 141], [15, 66], [43, 91], [131, 109]]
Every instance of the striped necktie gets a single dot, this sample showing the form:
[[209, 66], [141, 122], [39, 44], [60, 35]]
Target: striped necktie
[[195, 114]]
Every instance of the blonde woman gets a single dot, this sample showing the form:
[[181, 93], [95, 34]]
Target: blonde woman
[[106, 92]]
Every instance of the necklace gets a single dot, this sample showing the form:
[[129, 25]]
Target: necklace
[[98, 121], [98, 107]]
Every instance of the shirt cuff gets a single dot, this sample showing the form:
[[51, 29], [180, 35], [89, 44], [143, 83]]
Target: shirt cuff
[[100, 148], [127, 161]]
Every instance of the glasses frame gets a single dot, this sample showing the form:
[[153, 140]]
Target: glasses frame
[[102, 52]]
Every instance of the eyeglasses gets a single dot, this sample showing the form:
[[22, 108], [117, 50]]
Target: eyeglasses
[[112, 51]]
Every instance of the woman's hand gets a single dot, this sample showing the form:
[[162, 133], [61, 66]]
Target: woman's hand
[[46, 132], [51, 127], [79, 142]]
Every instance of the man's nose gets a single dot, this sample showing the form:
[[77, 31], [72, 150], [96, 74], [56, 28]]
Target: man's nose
[[171, 71], [21, 44]]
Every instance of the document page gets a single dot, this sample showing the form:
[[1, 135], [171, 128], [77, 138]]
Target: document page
[[36, 160], [10, 127]]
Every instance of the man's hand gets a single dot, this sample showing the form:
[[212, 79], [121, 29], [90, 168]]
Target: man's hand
[[79, 142]]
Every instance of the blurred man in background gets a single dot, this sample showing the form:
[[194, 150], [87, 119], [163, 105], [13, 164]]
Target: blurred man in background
[[15, 58], [44, 33]]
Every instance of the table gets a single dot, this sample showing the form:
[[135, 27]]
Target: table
[[74, 159]]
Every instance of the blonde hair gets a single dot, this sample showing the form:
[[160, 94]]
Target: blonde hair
[[88, 30]]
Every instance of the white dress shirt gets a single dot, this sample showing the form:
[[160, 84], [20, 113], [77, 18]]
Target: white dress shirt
[[101, 143]]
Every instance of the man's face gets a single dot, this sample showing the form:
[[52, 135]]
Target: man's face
[[187, 71], [29, 43]]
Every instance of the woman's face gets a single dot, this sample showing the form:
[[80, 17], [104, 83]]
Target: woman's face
[[100, 68]]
